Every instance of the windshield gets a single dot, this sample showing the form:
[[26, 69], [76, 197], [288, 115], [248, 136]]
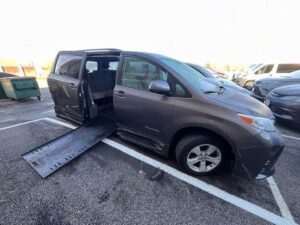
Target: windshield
[[295, 74], [192, 76], [253, 67], [204, 71]]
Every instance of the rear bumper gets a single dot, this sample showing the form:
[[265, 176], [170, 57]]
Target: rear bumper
[[256, 161]]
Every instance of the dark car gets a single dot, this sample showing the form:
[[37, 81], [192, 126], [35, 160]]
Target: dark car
[[285, 103], [262, 87], [226, 83], [165, 106]]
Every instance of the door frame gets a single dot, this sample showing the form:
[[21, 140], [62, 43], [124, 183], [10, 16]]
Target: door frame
[[80, 89]]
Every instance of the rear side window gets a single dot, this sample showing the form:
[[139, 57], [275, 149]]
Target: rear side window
[[287, 68], [68, 65]]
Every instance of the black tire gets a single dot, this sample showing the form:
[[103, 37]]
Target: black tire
[[248, 85], [187, 143]]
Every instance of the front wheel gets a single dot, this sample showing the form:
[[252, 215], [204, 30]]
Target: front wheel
[[201, 155]]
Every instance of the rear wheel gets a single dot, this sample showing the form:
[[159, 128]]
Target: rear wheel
[[201, 155]]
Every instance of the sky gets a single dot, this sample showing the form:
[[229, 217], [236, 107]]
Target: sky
[[198, 31]]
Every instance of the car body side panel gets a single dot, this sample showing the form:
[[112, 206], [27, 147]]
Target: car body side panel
[[143, 112], [239, 136]]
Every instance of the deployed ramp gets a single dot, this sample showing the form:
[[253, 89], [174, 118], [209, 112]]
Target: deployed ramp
[[49, 157]]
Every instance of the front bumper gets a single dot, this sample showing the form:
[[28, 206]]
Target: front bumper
[[256, 158], [284, 110]]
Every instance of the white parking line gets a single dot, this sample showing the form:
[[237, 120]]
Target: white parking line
[[291, 137], [20, 124], [61, 123], [284, 209], [239, 202]]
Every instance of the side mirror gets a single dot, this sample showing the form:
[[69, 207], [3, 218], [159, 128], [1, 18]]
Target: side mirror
[[160, 87]]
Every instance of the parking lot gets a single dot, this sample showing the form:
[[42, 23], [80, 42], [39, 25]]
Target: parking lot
[[119, 183]]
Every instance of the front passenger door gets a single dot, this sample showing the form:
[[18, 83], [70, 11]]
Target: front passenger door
[[137, 110]]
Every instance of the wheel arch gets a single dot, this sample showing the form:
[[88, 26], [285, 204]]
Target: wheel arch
[[247, 81], [179, 134]]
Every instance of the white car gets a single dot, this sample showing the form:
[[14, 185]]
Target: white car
[[266, 70]]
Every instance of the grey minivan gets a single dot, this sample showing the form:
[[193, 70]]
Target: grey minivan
[[164, 105]]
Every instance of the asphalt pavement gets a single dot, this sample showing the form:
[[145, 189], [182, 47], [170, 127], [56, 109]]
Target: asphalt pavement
[[107, 186]]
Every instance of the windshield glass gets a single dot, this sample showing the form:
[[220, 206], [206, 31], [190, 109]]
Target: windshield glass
[[204, 71], [191, 75], [254, 67], [295, 74]]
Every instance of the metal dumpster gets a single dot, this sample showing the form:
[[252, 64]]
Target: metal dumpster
[[2, 93], [20, 87], [4, 75]]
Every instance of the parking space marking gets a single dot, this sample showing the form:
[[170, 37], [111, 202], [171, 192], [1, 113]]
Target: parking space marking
[[225, 196], [20, 124], [284, 209], [60, 123], [291, 137]]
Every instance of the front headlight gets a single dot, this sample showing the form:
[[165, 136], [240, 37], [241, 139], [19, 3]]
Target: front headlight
[[258, 122], [291, 98]]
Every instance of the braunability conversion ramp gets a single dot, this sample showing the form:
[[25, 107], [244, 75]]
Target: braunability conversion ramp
[[49, 157]]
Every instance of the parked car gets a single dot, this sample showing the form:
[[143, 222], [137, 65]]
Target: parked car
[[226, 83], [250, 69], [265, 71], [164, 105], [285, 103], [263, 86], [217, 73]]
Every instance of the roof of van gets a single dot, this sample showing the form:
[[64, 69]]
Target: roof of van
[[113, 51]]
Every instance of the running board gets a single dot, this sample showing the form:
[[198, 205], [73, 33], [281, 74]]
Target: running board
[[49, 157]]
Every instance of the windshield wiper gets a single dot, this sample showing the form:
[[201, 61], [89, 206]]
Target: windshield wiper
[[211, 92], [221, 88]]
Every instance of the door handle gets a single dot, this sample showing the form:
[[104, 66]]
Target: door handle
[[120, 93]]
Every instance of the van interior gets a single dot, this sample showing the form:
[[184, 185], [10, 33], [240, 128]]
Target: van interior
[[100, 74]]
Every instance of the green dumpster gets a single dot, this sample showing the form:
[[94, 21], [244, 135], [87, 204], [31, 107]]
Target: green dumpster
[[2, 93], [20, 87], [3, 75]]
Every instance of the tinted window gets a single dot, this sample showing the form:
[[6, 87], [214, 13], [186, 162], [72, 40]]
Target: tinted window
[[68, 65], [91, 66], [269, 68], [287, 68], [192, 76], [138, 73], [95, 65], [113, 66]]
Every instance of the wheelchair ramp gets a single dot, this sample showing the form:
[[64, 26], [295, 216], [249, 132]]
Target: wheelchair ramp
[[49, 157]]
